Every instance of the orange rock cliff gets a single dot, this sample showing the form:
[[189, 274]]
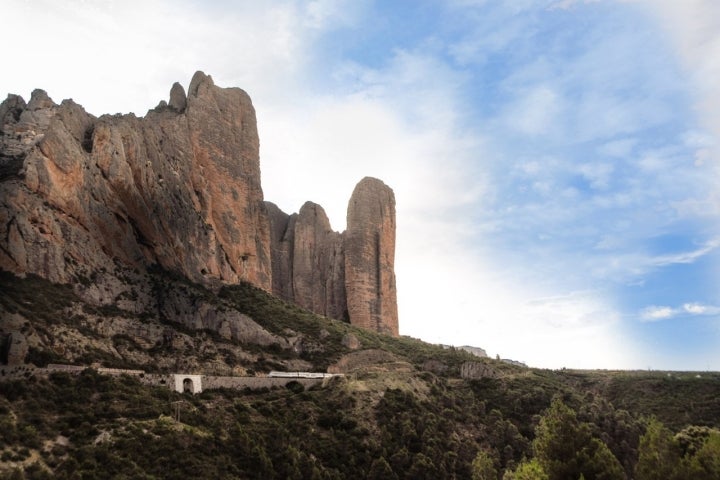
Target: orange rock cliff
[[180, 188]]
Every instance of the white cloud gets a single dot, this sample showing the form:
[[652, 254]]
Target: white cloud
[[618, 148], [630, 267], [685, 257], [482, 303], [656, 313], [695, 29]]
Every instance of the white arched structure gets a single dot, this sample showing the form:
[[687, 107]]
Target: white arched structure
[[188, 383]]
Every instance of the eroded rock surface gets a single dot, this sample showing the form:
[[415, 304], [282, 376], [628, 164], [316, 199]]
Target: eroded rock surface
[[89, 201], [179, 188], [348, 276], [370, 257]]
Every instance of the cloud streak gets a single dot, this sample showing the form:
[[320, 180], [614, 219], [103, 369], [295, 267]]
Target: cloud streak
[[654, 313]]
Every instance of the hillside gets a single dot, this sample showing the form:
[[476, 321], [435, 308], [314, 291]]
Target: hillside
[[405, 415]]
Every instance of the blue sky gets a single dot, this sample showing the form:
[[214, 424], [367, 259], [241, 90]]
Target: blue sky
[[555, 162]]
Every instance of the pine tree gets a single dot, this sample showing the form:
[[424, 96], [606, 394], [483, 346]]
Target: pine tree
[[658, 454], [483, 466], [565, 448]]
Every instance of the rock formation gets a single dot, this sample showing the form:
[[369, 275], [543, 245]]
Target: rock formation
[[308, 260], [347, 276], [84, 199], [179, 188], [370, 257], [17, 349]]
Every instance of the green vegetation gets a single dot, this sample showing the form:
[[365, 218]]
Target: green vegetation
[[95, 426], [517, 423]]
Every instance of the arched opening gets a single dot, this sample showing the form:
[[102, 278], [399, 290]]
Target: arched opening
[[188, 386]]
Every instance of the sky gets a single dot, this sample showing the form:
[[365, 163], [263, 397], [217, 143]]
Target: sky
[[555, 162]]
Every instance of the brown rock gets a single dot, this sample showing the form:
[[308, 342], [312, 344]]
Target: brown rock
[[180, 190], [318, 270], [310, 261], [17, 349], [351, 341], [282, 247], [84, 197], [434, 366], [178, 99], [370, 360], [370, 257]]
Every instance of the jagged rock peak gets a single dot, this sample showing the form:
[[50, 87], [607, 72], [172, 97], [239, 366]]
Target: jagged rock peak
[[39, 100], [318, 263], [197, 81], [348, 276], [182, 192], [178, 99], [83, 195]]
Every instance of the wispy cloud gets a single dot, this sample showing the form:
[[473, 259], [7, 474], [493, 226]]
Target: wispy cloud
[[654, 313]]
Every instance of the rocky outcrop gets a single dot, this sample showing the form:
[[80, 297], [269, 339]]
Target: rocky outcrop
[[17, 349], [370, 257], [477, 370], [93, 201], [370, 361], [318, 264], [308, 260], [179, 188], [282, 249], [347, 276]]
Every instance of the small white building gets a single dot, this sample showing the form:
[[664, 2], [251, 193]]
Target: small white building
[[188, 383]]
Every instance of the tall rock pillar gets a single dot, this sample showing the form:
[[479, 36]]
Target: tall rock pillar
[[370, 257]]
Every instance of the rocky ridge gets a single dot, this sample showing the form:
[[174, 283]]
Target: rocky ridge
[[90, 201], [348, 275]]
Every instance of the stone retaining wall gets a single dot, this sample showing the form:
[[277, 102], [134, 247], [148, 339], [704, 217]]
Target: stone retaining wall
[[209, 382]]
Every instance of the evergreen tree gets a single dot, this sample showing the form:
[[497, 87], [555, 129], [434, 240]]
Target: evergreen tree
[[483, 466], [565, 448], [658, 454], [527, 471], [380, 470]]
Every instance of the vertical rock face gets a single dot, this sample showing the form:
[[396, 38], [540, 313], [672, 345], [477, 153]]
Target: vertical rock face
[[348, 276], [370, 257], [318, 266], [308, 260], [179, 188], [282, 247], [17, 348]]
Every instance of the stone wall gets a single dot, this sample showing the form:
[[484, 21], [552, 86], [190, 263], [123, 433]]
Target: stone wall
[[208, 382]]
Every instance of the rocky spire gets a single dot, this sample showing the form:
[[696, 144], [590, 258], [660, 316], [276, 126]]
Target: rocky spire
[[348, 276], [370, 257], [178, 99]]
